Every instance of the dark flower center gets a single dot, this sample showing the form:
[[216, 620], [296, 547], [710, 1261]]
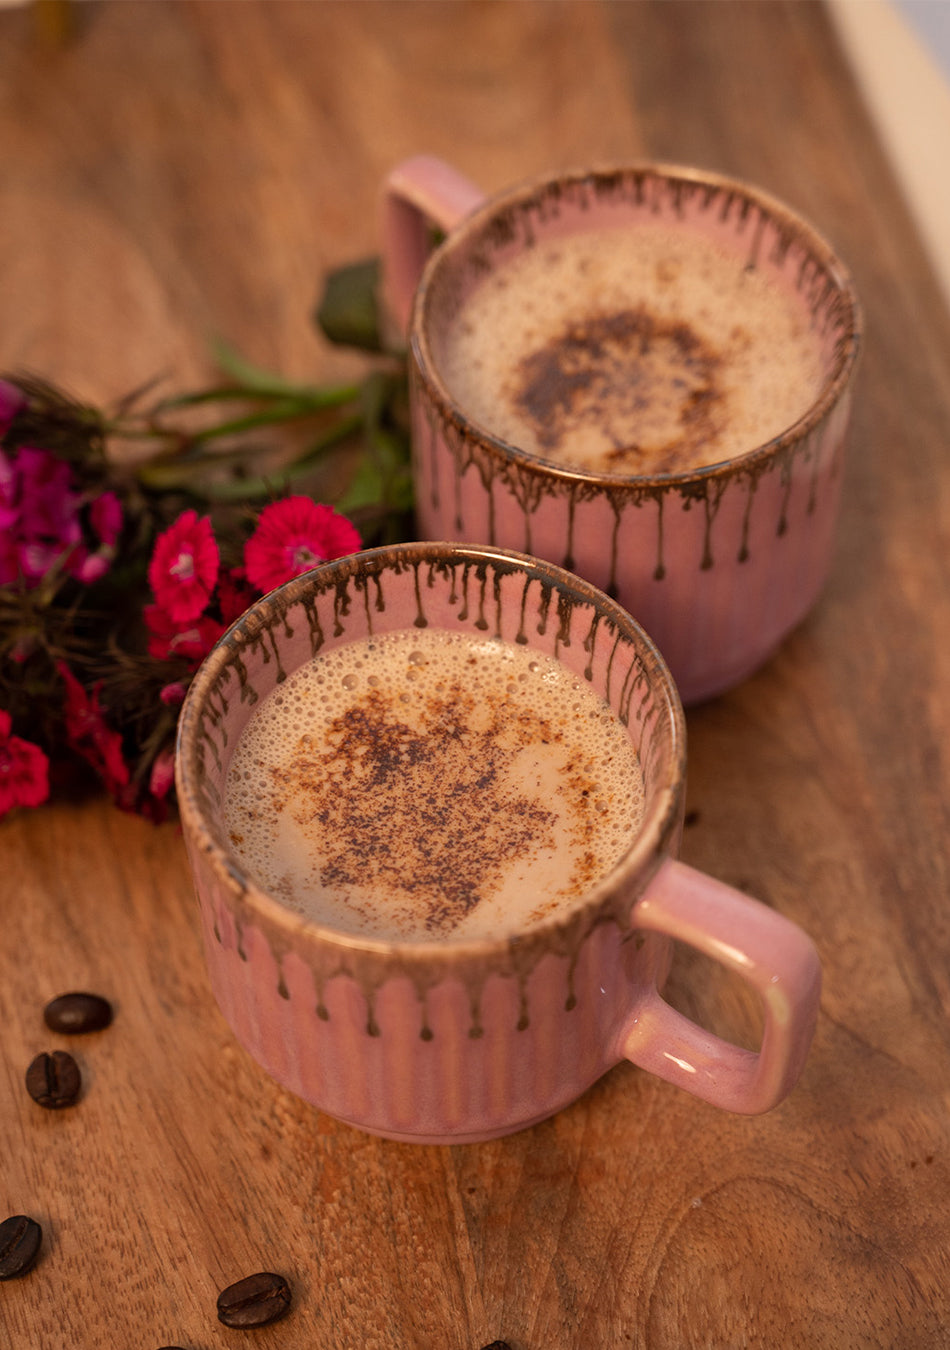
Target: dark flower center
[[304, 558]]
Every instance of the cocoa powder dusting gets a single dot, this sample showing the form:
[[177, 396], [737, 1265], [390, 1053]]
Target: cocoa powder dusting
[[422, 814], [650, 384]]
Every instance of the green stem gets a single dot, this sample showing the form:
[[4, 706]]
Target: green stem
[[287, 411], [312, 398], [249, 489]]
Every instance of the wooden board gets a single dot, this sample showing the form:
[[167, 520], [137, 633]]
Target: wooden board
[[183, 170]]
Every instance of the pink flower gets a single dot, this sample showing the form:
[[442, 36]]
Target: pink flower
[[9, 557], [190, 640], [89, 567], [36, 556], [105, 516], [292, 536], [162, 775], [12, 400], [173, 694], [9, 492], [24, 769], [235, 594], [39, 515], [105, 520], [88, 733], [184, 567], [48, 505]]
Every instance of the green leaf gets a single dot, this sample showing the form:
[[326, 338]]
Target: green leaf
[[347, 312], [366, 487], [254, 380], [284, 411], [239, 488]]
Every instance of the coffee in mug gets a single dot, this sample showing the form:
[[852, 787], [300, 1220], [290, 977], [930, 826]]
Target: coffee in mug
[[431, 784], [638, 351], [642, 374], [444, 944]]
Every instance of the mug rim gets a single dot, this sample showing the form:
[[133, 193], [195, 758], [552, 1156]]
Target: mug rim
[[652, 844], [832, 388]]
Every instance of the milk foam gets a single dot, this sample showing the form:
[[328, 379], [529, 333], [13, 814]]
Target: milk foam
[[428, 784], [631, 350]]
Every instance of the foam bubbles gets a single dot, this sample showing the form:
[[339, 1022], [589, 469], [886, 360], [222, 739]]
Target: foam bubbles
[[643, 350], [432, 785]]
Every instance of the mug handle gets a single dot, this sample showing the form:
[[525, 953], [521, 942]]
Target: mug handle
[[767, 950], [418, 193]]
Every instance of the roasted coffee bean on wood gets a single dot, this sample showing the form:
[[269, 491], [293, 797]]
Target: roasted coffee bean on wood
[[20, 1238], [75, 1013], [254, 1301], [53, 1080]]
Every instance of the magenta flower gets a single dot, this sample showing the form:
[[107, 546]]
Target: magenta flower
[[41, 524], [105, 516], [88, 733], [162, 775], [292, 536], [9, 492], [37, 556], [24, 770], [105, 520], [12, 400], [48, 505], [192, 640], [235, 594], [9, 557], [184, 567]]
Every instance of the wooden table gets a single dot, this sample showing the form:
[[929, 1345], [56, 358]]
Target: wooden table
[[179, 170]]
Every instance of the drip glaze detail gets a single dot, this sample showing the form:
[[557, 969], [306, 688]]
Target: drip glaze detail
[[705, 549], [505, 596]]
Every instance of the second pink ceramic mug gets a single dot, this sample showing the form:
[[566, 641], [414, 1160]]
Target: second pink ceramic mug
[[718, 563]]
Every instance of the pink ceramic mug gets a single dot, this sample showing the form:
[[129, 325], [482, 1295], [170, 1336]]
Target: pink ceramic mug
[[718, 563], [441, 1040]]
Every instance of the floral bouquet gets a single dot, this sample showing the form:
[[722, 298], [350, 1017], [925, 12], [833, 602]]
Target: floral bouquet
[[130, 539]]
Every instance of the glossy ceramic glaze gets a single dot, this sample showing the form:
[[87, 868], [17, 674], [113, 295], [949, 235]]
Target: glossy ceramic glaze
[[440, 1041], [718, 564]]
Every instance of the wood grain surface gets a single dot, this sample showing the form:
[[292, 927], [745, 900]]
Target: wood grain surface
[[176, 171]]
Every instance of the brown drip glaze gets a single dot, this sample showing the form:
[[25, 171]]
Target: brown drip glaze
[[635, 698], [768, 235]]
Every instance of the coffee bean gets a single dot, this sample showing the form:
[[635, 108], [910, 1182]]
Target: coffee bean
[[20, 1238], [76, 1013], [254, 1301], [54, 1080], [497, 1345]]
